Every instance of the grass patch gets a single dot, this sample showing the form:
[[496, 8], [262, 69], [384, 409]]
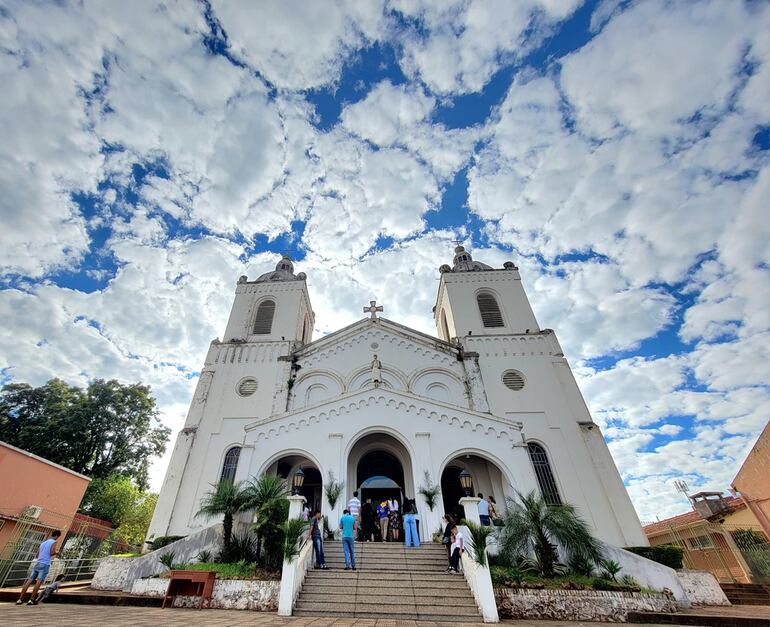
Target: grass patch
[[236, 570]]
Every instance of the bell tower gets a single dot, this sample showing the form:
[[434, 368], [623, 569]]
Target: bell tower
[[477, 300], [273, 308]]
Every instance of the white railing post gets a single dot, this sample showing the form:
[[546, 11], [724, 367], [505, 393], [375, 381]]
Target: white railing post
[[292, 573], [471, 509], [479, 578]]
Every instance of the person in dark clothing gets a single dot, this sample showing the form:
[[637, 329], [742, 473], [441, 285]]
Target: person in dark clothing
[[316, 535], [368, 518], [446, 540]]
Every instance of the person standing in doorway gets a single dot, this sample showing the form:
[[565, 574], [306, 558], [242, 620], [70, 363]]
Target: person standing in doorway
[[382, 515], [45, 553], [316, 535], [458, 547], [354, 507], [411, 535], [484, 511], [349, 528], [368, 520], [394, 519]]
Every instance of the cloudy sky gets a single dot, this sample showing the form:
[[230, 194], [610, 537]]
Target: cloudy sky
[[618, 152]]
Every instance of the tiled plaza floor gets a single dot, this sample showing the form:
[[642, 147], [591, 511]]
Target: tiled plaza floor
[[70, 615]]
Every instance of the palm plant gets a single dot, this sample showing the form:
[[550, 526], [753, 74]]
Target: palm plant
[[610, 569], [293, 531], [226, 498], [167, 559], [267, 495], [430, 491], [333, 490], [478, 541], [532, 527]]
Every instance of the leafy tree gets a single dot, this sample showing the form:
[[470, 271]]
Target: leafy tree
[[226, 498], [103, 429], [133, 529], [532, 527], [267, 495]]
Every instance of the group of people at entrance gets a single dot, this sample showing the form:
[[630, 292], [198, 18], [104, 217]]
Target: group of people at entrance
[[383, 521]]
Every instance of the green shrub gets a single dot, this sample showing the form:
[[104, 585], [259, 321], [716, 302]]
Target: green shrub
[[126, 555], [167, 559], [162, 541], [667, 554], [237, 570]]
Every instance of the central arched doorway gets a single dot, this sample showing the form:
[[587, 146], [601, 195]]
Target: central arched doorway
[[379, 476]]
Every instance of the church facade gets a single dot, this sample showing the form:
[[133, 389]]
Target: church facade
[[386, 409]]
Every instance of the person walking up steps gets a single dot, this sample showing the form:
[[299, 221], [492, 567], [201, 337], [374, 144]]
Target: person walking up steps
[[382, 514], [411, 537], [354, 507], [368, 520], [45, 553], [316, 535], [458, 547], [484, 511], [394, 519], [349, 527]]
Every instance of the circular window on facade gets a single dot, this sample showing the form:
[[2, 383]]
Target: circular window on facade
[[513, 380], [247, 386]]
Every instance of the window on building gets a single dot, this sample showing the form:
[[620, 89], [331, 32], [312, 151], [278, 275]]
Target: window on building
[[701, 542], [263, 323], [544, 474], [491, 316], [444, 325], [230, 464]]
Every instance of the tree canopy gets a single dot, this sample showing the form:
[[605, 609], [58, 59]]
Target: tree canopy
[[106, 428]]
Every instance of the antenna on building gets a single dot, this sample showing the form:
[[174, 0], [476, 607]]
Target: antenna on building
[[681, 486]]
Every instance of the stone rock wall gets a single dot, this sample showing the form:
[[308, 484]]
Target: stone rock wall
[[229, 594], [578, 605], [111, 573], [702, 587]]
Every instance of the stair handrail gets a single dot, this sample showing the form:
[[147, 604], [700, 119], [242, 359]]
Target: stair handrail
[[479, 580]]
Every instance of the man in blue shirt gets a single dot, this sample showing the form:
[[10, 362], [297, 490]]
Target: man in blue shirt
[[349, 527], [40, 568], [484, 511]]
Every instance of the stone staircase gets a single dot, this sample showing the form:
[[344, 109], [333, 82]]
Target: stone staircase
[[747, 593], [391, 582]]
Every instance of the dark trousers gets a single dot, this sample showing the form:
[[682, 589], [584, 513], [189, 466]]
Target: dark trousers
[[318, 547], [454, 561], [485, 520]]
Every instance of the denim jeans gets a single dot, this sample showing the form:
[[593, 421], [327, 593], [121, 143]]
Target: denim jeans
[[318, 547], [349, 551], [411, 537]]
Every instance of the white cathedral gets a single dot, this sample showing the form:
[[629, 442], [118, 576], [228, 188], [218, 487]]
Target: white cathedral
[[385, 409]]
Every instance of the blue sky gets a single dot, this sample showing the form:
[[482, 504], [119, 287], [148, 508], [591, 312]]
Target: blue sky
[[617, 151]]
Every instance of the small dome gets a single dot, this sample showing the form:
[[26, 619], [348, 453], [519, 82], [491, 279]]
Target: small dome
[[284, 271], [463, 262]]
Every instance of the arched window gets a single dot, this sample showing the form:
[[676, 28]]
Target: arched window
[[489, 310], [263, 323], [444, 325], [230, 464], [544, 474]]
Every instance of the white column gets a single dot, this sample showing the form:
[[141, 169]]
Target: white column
[[296, 501], [471, 506], [291, 573]]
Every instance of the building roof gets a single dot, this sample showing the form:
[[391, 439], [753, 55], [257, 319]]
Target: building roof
[[43, 459], [688, 518]]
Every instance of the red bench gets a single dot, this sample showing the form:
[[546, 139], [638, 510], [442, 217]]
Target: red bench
[[193, 583]]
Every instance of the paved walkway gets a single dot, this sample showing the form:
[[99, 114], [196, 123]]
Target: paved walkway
[[66, 615]]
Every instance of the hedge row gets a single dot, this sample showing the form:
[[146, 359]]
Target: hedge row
[[162, 541], [667, 554]]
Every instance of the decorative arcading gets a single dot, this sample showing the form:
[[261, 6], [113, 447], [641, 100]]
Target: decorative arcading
[[382, 336], [262, 352], [504, 429], [511, 345]]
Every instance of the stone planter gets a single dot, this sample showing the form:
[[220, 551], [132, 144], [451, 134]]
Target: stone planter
[[229, 594], [111, 573], [578, 605]]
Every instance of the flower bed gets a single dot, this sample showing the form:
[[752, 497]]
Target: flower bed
[[237, 570]]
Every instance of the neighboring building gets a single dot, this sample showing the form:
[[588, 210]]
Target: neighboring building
[[752, 483], [37, 496], [377, 405], [720, 535]]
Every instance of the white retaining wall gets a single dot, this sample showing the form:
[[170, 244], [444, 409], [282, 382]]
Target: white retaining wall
[[228, 594], [578, 605], [702, 588], [112, 573]]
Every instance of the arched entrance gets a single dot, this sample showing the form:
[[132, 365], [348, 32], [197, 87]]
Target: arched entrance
[[487, 479], [379, 476], [312, 488]]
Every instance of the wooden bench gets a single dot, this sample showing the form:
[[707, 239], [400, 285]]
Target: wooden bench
[[193, 583]]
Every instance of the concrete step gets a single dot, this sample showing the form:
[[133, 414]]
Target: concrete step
[[701, 620], [364, 586], [382, 577], [436, 618], [388, 610], [385, 596]]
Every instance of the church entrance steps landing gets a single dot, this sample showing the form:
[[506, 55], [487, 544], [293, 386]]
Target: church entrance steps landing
[[747, 593], [390, 581]]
